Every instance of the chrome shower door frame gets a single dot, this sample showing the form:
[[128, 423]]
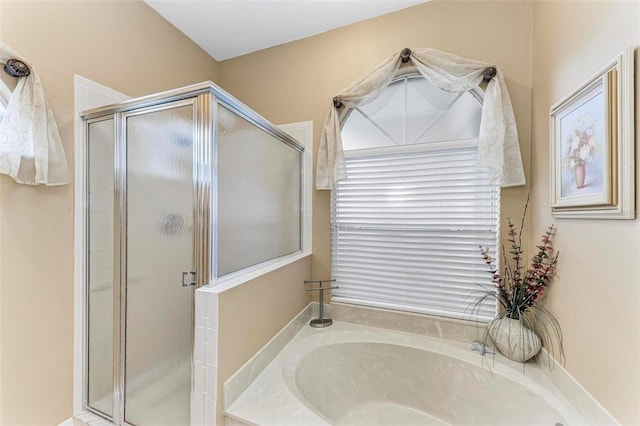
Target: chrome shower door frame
[[201, 100]]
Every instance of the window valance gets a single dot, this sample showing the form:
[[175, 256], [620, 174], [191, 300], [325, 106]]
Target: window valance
[[31, 149], [498, 147]]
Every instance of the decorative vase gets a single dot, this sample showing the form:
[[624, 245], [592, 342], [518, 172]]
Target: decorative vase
[[514, 340], [580, 175]]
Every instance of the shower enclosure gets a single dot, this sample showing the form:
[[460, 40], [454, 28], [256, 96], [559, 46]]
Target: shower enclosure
[[181, 188]]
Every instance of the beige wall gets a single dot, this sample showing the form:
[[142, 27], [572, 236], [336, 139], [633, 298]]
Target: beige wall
[[130, 48], [597, 293], [296, 81], [252, 313]]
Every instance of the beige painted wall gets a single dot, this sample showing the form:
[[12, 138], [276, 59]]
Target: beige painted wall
[[296, 81], [252, 313], [597, 293], [130, 48]]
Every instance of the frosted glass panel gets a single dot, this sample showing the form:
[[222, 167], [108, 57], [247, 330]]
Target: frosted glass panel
[[100, 266], [258, 195], [159, 248]]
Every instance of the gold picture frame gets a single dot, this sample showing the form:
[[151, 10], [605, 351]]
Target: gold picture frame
[[592, 146]]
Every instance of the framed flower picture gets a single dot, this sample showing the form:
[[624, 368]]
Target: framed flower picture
[[592, 146]]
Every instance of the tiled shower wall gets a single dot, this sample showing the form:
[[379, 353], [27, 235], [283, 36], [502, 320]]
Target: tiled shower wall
[[205, 359]]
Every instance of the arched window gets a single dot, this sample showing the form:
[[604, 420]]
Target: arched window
[[408, 220], [412, 111]]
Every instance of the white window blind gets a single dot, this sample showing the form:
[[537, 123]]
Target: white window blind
[[407, 227]]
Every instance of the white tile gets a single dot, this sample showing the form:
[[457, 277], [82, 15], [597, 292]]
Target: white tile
[[88, 83], [80, 100], [77, 321], [200, 317], [78, 224], [212, 306], [114, 99], [206, 306], [79, 80], [80, 97], [77, 272], [212, 346], [212, 380], [198, 350], [78, 196], [196, 410], [77, 246], [77, 376], [199, 378], [77, 210], [92, 85], [96, 99], [77, 303], [211, 412], [78, 154], [203, 413], [78, 92], [111, 95], [205, 351]]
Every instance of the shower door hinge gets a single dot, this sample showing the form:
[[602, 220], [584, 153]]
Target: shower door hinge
[[186, 276]]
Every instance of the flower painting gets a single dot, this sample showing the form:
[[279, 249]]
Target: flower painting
[[592, 145], [583, 149]]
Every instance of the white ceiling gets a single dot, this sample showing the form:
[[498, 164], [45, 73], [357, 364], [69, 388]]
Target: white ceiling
[[230, 28]]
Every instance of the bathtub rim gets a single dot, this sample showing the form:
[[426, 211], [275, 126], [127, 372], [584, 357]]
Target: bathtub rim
[[453, 329]]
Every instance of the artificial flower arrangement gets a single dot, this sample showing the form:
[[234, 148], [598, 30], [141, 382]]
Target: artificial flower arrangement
[[519, 290], [581, 143]]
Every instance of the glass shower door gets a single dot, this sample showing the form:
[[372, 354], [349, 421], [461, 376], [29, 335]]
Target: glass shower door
[[159, 265]]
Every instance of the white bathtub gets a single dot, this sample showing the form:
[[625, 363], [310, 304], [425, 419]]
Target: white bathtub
[[350, 374]]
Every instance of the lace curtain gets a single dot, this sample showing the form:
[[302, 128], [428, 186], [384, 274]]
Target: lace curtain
[[31, 149], [498, 147]]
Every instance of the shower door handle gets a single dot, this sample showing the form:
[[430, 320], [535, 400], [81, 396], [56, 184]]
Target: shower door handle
[[188, 278]]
